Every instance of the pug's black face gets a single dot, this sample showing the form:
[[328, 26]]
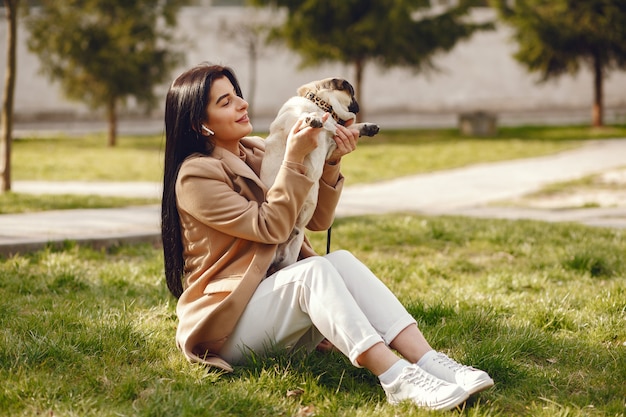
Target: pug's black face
[[354, 106], [343, 85]]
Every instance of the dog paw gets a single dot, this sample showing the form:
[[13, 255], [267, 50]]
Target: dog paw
[[313, 121], [369, 129], [278, 261]]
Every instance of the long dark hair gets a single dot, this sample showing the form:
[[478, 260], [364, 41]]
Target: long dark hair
[[185, 111]]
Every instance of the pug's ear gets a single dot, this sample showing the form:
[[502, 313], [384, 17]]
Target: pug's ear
[[344, 85], [303, 89]]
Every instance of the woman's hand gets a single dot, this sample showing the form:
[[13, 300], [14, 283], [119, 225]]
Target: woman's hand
[[346, 140], [302, 140]]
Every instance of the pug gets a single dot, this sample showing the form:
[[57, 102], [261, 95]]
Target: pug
[[331, 95]]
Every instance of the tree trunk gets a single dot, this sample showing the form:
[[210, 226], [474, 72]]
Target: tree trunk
[[597, 113], [7, 98], [253, 56], [112, 115], [359, 67]]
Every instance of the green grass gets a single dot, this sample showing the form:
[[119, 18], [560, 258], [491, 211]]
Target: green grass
[[135, 158], [390, 154], [540, 306], [405, 155], [396, 153], [24, 203]]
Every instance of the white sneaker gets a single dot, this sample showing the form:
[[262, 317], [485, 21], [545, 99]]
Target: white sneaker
[[424, 390], [470, 379]]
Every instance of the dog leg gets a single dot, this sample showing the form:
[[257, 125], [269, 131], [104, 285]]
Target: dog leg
[[314, 121], [366, 129], [287, 252]]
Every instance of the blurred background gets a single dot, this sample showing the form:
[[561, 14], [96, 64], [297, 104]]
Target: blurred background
[[478, 73]]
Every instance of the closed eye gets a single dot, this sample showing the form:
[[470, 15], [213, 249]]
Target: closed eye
[[223, 97]]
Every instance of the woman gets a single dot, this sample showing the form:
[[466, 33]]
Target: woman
[[220, 228]]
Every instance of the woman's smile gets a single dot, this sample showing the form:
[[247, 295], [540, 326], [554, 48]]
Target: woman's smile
[[227, 115]]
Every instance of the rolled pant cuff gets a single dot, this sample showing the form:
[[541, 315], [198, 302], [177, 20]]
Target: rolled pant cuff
[[362, 347], [397, 328]]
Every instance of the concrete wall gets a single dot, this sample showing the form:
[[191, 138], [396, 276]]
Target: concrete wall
[[479, 74]]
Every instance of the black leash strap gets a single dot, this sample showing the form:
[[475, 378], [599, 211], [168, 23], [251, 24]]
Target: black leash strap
[[328, 233]]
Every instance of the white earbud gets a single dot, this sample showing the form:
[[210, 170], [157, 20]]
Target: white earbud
[[206, 129]]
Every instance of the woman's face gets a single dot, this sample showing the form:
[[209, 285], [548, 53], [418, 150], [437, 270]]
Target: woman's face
[[227, 114]]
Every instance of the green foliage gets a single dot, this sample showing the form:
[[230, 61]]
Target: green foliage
[[557, 36], [389, 32], [104, 51], [88, 332]]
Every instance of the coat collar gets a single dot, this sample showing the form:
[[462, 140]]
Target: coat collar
[[253, 149]]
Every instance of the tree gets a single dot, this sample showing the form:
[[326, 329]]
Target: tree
[[106, 51], [10, 73], [388, 32], [556, 37], [251, 33]]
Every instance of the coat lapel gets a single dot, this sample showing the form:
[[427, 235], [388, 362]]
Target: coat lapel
[[240, 167]]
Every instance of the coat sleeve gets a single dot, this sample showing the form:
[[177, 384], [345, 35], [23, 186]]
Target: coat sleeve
[[331, 185], [232, 205]]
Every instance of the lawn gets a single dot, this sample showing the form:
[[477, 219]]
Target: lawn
[[23, 203], [539, 306], [388, 155]]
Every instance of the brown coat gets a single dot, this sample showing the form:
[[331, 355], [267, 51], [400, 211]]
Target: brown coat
[[230, 225]]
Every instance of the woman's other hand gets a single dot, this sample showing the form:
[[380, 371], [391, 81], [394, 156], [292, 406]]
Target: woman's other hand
[[346, 140]]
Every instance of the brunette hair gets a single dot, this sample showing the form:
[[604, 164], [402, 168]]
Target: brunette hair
[[185, 111]]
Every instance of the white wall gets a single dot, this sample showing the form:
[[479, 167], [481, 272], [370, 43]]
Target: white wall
[[476, 74]]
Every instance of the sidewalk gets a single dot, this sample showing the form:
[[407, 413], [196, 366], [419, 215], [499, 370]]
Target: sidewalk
[[465, 191]]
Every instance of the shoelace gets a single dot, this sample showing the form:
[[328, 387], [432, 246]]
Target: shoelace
[[453, 365], [417, 376]]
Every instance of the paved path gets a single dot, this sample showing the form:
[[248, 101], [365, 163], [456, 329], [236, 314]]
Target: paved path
[[468, 191], [464, 191]]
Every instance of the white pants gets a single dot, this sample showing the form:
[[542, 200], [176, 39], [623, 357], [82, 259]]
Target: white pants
[[334, 296]]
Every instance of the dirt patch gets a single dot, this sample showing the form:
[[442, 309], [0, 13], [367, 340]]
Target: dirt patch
[[603, 190]]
